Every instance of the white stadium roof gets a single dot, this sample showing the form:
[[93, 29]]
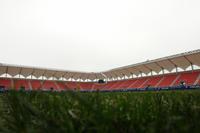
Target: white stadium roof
[[183, 61]]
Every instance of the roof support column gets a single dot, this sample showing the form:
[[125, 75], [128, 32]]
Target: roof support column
[[163, 72], [176, 69], [151, 71], [131, 75], [192, 67], [141, 73], [53, 76], [63, 76], [32, 73], [20, 72], [162, 69], [174, 65], [6, 72], [43, 75], [124, 76]]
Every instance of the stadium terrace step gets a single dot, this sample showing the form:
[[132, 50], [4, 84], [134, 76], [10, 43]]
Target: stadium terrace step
[[61, 85], [5, 82], [98, 86], [132, 84], [167, 81], [18, 84], [197, 80], [152, 82], [159, 81], [157, 84], [175, 80], [126, 84], [140, 82], [36, 84], [188, 77], [49, 85]]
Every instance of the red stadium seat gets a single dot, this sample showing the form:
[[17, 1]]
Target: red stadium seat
[[168, 80], [72, 85], [49, 85], [132, 83], [125, 84], [116, 85], [152, 81], [199, 82], [5, 83], [189, 78], [61, 85], [36, 84], [18, 84], [86, 86], [109, 85], [140, 82], [98, 86]]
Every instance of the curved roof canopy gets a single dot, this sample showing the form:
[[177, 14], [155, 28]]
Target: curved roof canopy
[[183, 61]]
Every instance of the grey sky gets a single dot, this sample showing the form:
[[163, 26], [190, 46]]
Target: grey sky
[[91, 35]]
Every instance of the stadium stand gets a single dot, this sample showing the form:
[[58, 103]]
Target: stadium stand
[[36, 84], [188, 77], [126, 84], [49, 85], [167, 81], [5, 83], [21, 84], [72, 85], [86, 86], [140, 82], [97, 86], [61, 85], [115, 79], [151, 82], [160, 81]]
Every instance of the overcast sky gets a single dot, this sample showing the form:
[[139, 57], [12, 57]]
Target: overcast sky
[[96, 35]]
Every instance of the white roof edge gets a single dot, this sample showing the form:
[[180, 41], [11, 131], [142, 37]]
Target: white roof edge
[[156, 60], [104, 73], [43, 68]]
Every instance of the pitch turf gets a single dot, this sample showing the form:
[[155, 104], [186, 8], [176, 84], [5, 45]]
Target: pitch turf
[[47, 112]]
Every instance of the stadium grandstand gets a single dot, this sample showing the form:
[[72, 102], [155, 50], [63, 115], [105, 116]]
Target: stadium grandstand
[[176, 71]]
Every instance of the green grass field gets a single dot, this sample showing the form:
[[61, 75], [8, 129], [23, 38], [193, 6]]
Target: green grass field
[[53, 112]]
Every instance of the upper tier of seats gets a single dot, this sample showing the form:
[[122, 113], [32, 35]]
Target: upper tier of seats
[[159, 81]]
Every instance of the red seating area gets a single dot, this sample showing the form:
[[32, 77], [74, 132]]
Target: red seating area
[[61, 85], [5, 82], [21, 84], [152, 81], [199, 82], [36, 84], [115, 85], [109, 85], [132, 83], [86, 86], [126, 84], [167, 81], [49, 85], [190, 78], [72, 85], [140, 82], [97, 86]]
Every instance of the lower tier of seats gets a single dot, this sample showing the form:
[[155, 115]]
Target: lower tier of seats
[[160, 81]]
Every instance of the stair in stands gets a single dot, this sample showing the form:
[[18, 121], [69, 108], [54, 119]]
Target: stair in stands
[[197, 81], [177, 77]]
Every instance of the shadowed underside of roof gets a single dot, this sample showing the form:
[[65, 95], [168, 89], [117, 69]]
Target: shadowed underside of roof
[[181, 61]]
